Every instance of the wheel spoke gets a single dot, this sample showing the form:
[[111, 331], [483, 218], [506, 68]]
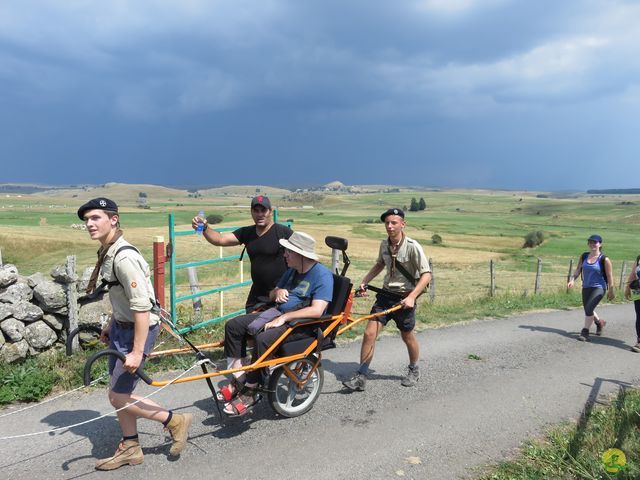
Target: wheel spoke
[[289, 398], [291, 394]]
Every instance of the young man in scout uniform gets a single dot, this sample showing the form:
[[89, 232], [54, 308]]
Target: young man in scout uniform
[[407, 275], [132, 330]]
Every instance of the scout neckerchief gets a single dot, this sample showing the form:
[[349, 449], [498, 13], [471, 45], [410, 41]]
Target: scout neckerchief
[[102, 253], [393, 253]]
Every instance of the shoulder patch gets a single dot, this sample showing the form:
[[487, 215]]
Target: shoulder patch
[[134, 284]]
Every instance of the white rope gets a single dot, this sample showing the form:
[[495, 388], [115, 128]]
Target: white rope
[[65, 393], [55, 398], [166, 318], [68, 427]]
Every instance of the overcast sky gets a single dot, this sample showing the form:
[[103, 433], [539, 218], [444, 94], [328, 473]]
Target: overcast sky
[[454, 93]]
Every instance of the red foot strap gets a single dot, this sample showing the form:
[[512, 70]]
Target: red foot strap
[[239, 406], [227, 392]]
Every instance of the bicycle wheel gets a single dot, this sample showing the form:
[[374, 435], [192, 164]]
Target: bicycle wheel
[[88, 337], [102, 354], [287, 396]]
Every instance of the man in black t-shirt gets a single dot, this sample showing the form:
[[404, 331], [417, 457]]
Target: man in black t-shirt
[[262, 241]]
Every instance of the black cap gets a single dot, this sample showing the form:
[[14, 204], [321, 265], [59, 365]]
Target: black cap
[[261, 200], [392, 211], [99, 203], [595, 238]]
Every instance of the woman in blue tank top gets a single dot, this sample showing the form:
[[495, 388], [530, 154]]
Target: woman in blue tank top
[[597, 278]]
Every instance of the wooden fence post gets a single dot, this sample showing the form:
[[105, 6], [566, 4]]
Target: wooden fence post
[[623, 273], [492, 274], [536, 288], [570, 273], [335, 258], [195, 288], [432, 284], [159, 259], [221, 294], [72, 298]]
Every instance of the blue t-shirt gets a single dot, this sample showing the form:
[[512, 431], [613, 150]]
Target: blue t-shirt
[[592, 274], [316, 284]]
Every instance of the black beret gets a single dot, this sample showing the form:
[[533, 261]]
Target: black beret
[[100, 203], [392, 211]]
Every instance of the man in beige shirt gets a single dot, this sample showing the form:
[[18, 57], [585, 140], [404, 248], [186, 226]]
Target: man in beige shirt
[[132, 331], [407, 275]]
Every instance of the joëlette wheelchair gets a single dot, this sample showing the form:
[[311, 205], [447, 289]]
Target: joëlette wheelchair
[[292, 368]]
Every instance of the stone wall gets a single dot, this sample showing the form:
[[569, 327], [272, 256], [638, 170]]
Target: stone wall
[[34, 311]]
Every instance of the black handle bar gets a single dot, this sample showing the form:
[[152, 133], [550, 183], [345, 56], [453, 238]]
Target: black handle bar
[[386, 293], [115, 353]]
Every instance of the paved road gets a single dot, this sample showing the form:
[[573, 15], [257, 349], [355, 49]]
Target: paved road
[[464, 414]]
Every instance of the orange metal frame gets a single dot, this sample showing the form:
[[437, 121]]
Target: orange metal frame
[[344, 319]]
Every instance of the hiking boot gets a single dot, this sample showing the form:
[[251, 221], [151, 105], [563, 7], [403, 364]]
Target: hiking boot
[[600, 326], [127, 453], [179, 428], [584, 335], [356, 383], [412, 377], [636, 347]]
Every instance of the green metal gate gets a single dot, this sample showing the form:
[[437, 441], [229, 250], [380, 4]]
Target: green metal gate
[[174, 267]]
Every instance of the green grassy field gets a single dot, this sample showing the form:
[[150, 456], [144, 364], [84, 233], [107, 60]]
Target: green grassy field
[[476, 227]]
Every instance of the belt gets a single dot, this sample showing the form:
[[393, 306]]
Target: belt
[[131, 325], [125, 325]]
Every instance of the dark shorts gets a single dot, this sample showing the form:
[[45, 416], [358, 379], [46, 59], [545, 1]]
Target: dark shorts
[[122, 341], [405, 319]]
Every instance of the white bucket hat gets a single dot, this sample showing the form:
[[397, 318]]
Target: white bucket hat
[[301, 243]]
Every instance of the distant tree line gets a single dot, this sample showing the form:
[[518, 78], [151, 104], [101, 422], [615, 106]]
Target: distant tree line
[[417, 205], [615, 191], [26, 189]]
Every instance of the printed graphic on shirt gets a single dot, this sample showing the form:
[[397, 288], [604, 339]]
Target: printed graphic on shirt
[[302, 289]]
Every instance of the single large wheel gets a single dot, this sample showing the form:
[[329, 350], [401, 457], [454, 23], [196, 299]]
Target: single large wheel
[[88, 337], [286, 395], [106, 353]]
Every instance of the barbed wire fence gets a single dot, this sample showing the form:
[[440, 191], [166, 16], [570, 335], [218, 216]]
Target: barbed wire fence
[[450, 284], [492, 280]]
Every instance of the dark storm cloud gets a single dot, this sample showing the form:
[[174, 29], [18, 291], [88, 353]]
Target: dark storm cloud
[[458, 92]]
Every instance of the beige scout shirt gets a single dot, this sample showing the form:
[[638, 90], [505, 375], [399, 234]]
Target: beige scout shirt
[[135, 291], [411, 256]]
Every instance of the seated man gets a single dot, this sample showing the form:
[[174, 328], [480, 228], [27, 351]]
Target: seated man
[[304, 291]]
